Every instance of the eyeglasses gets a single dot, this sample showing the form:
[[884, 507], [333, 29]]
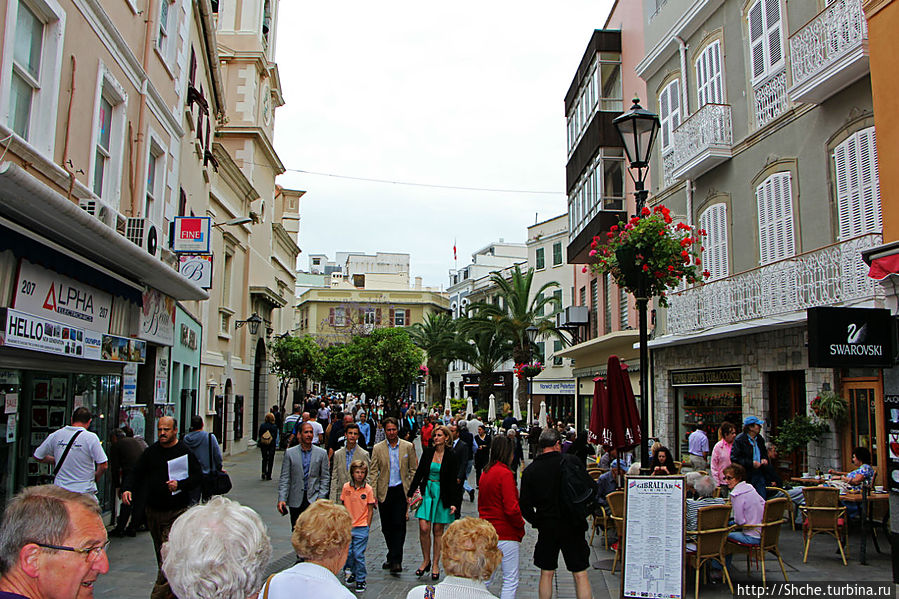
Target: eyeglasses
[[91, 554], [729, 477]]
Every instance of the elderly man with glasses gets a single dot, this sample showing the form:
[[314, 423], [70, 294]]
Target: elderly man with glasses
[[52, 545]]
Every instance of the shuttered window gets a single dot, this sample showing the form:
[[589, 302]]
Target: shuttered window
[[622, 309], [775, 203], [765, 38], [669, 111], [858, 185], [709, 82], [714, 221]]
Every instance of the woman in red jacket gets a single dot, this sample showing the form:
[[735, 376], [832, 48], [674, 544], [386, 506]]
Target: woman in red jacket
[[498, 504]]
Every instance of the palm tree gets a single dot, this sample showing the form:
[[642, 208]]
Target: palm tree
[[437, 337], [517, 310], [485, 351]]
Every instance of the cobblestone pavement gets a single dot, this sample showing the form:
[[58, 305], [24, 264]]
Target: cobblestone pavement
[[133, 565]]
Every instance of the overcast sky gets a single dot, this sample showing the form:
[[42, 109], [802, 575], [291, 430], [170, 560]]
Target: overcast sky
[[465, 94]]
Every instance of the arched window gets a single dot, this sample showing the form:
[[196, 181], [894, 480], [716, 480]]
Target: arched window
[[857, 185]]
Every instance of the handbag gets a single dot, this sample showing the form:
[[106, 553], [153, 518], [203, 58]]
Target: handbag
[[417, 500], [216, 482]]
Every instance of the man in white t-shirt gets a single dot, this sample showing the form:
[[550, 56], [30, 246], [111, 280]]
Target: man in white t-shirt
[[86, 461], [317, 430]]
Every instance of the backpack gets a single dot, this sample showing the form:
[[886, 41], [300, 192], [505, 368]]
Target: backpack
[[578, 489], [266, 438]]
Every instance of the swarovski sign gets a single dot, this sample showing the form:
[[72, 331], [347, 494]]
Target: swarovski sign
[[842, 337]]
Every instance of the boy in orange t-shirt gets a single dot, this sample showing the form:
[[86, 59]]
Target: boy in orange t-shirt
[[359, 500]]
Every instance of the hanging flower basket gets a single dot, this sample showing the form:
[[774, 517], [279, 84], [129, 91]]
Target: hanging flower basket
[[423, 370], [526, 371], [649, 254], [829, 406]]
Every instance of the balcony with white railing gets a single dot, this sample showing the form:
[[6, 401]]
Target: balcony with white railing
[[702, 142], [771, 99], [830, 52], [832, 275]]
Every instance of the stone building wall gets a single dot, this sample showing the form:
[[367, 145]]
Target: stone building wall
[[756, 354]]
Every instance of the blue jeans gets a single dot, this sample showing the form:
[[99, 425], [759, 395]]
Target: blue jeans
[[468, 467], [740, 537], [355, 559]]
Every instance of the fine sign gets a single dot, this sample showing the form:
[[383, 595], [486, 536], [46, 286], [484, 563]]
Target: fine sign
[[192, 234]]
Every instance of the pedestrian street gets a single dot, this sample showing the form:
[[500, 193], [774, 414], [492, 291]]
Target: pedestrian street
[[133, 567]]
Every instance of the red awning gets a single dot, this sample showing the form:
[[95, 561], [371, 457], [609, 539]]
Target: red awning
[[884, 266]]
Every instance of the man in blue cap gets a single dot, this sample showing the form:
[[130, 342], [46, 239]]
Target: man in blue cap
[[608, 482], [749, 451]]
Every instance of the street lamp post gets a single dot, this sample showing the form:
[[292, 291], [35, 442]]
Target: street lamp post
[[531, 332], [638, 129]]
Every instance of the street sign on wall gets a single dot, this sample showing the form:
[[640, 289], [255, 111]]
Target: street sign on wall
[[192, 234], [197, 268]]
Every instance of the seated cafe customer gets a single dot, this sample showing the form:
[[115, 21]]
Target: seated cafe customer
[[749, 508], [704, 487], [608, 483], [864, 472]]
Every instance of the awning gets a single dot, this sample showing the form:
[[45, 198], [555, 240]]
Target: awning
[[619, 343], [29, 202], [884, 266]]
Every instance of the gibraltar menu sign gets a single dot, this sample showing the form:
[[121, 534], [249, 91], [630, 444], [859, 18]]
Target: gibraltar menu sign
[[846, 337]]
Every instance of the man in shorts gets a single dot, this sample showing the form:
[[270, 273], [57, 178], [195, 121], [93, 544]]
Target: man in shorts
[[541, 505]]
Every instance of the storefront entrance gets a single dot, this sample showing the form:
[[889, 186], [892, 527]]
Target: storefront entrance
[[865, 421]]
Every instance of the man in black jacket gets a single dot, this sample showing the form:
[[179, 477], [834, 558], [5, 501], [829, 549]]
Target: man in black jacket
[[541, 505], [749, 451], [168, 471], [462, 452]]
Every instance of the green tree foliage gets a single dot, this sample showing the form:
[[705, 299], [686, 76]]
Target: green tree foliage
[[295, 359], [383, 363], [439, 338], [486, 350], [517, 310]]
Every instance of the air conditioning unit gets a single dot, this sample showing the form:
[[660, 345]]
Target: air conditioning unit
[[103, 212], [142, 233], [572, 316]]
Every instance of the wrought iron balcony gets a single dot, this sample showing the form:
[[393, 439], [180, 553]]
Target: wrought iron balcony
[[771, 99], [830, 275], [702, 142], [830, 52]]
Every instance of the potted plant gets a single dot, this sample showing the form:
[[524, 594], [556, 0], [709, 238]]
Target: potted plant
[[827, 405], [649, 254], [796, 433]]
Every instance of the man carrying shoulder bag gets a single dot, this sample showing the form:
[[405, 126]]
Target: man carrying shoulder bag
[[204, 446]]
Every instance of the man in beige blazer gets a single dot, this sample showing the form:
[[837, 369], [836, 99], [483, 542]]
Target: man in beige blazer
[[393, 464], [343, 457]]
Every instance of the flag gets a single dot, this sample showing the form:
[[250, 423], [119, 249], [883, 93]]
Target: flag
[[454, 249]]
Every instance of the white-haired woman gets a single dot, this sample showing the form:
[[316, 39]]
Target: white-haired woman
[[321, 538], [217, 550]]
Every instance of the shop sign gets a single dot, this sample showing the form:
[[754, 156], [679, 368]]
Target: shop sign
[[554, 387], [718, 376], [45, 293], [891, 410], [845, 337], [129, 384], [192, 234], [197, 268], [27, 331], [188, 337], [157, 318]]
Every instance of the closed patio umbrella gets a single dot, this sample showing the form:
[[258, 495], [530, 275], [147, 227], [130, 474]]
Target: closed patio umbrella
[[447, 407], [491, 409], [623, 420], [599, 432], [469, 408], [516, 409], [541, 419]]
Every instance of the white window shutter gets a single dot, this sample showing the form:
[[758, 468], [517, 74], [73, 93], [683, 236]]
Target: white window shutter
[[702, 78], [669, 111], [869, 182], [715, 258], [772, 27], [775, 209], [708, 75], [857, 185], [844, 203], [757, 40], [674, 98]]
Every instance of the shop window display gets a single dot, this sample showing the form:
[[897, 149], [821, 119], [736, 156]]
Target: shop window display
[[712, 405]]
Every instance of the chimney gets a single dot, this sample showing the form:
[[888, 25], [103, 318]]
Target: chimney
[[418, 283]]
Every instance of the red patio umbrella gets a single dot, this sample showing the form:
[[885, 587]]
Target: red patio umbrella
[[599, 432], [624, 419]]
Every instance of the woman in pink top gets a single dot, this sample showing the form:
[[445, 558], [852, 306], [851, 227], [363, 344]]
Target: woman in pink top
[[727, 432], [749, 508]]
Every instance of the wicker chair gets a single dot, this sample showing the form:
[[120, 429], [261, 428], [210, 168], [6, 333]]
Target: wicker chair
[[823, 514], [711, 536], [772, 519], [791, 508], [602, 521], [616, 507]]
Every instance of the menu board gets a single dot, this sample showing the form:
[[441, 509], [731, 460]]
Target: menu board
[[891, 411], [654, 537]]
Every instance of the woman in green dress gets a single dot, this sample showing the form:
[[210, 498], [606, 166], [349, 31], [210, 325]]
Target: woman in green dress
[[436, 478]]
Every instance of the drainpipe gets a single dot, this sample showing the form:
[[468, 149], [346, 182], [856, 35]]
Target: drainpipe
[[682, 47], [690, 187], [137, 147]]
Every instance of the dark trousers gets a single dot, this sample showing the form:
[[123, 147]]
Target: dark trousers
[[296, 511], [393, 523], [160, 523], [268, 461]]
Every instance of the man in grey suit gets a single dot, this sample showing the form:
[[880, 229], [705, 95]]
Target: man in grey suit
[[343, 457], [305, 476]]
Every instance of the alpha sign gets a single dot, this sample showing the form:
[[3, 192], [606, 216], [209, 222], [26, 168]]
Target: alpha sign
[[49, 294], [843, 337]]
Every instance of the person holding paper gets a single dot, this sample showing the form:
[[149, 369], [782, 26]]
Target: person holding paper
[[169, 471]]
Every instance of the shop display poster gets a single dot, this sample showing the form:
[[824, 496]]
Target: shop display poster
[[11, 403], [891, 422], [129, 384], [11, 429], [654, 531]]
